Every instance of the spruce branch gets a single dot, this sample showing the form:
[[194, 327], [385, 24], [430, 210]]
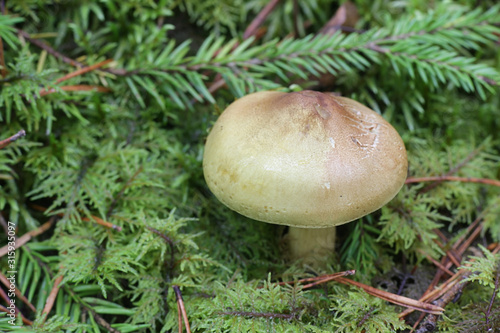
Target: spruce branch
[[418, 48]]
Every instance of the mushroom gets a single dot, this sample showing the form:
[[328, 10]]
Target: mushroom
[[308, 160]]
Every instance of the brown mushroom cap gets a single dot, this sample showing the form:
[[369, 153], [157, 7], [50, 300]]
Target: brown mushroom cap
[[304, 159]]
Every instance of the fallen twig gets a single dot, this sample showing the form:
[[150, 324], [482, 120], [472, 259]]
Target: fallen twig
[[257, 21], [17, 292], [27, 236], [52, 296], [429, 324], [9, 140], [180, 304], [393, 298], [25, 320], [92, 219], [83, 70], [318, 279]]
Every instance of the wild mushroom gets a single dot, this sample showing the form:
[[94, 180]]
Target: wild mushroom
[[306, 159]]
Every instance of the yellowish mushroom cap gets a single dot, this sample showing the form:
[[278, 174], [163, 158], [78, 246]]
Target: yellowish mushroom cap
[[303, 159]]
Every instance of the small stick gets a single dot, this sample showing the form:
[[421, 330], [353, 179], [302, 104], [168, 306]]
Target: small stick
[[179, 317], [257, 21], [92, 219], [83, 70], [318, 279], [454, 169], [429, 324], [486, 181], [25, 321], [52, 296], [2, 60], [27, 236], [437, 263], [436, 293], [448, 285], [101, 222], [327, 278], [49, 49], [180, 304], [6, 142], [393, 298], [17, 292]]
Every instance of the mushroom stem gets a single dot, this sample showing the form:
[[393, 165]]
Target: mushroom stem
[[311, 244]]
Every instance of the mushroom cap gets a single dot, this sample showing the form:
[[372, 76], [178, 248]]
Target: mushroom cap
[[304, 159]]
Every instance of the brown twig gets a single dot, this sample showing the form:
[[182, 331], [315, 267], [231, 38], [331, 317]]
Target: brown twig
[[180, 303], [317, 279], [393, 298], [325, 278], [49, 49], [437, 263], [179, 317], [3, 71], [27, 236], [436, 293], [25, 320], [17, 292], [429, 324], [453, 288], [9, 140], [92, 219], [454, 169], [83, 70], [259, 19], [493, 182], [431, 293], [52, 296]]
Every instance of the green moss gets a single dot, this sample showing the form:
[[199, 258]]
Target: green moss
[[131, 155]]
